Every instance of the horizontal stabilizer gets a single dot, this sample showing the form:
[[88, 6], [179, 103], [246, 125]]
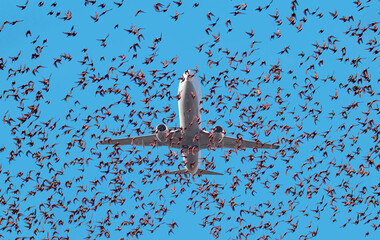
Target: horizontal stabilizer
[[182, 171], [199, 172], [206, 172]]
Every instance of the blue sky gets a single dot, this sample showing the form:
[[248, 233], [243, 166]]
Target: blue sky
[[323, 112]]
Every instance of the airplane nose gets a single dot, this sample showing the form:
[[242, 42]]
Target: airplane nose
[[188, 75]]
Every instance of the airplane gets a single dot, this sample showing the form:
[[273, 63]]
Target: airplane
[[189, 137]]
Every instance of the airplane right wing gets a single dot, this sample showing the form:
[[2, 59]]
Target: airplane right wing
[[147, 140]]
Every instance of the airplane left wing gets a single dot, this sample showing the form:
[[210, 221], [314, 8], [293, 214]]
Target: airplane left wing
[[147, 140], [230, 142]]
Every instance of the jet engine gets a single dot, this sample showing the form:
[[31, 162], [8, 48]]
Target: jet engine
[[162, 132], [217, 134]]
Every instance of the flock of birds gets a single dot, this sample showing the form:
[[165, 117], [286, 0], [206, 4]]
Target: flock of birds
[[57, 178]]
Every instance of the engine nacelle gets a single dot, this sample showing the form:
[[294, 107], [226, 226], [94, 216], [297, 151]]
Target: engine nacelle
[[218, 133], [162, 132]]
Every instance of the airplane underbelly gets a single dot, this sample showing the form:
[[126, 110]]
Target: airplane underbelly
[[189, 109], [192, 161]]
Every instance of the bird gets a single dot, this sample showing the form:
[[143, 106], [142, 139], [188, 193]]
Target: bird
[[138, 12], [71, 33], [95, 18], [251, 33], [22, 7]]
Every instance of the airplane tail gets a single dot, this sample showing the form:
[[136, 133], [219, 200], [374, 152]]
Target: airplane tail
[[199, 172], [182, 171], [206, 172]]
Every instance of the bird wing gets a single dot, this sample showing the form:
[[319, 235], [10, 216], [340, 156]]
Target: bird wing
[[147, 140], [230, 142]]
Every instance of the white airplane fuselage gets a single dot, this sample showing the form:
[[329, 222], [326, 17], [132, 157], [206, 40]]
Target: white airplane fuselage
[[189, 106]]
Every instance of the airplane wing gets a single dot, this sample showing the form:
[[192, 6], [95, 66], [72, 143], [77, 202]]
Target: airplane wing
[[230, 142], [147, 140], [199, 172]]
